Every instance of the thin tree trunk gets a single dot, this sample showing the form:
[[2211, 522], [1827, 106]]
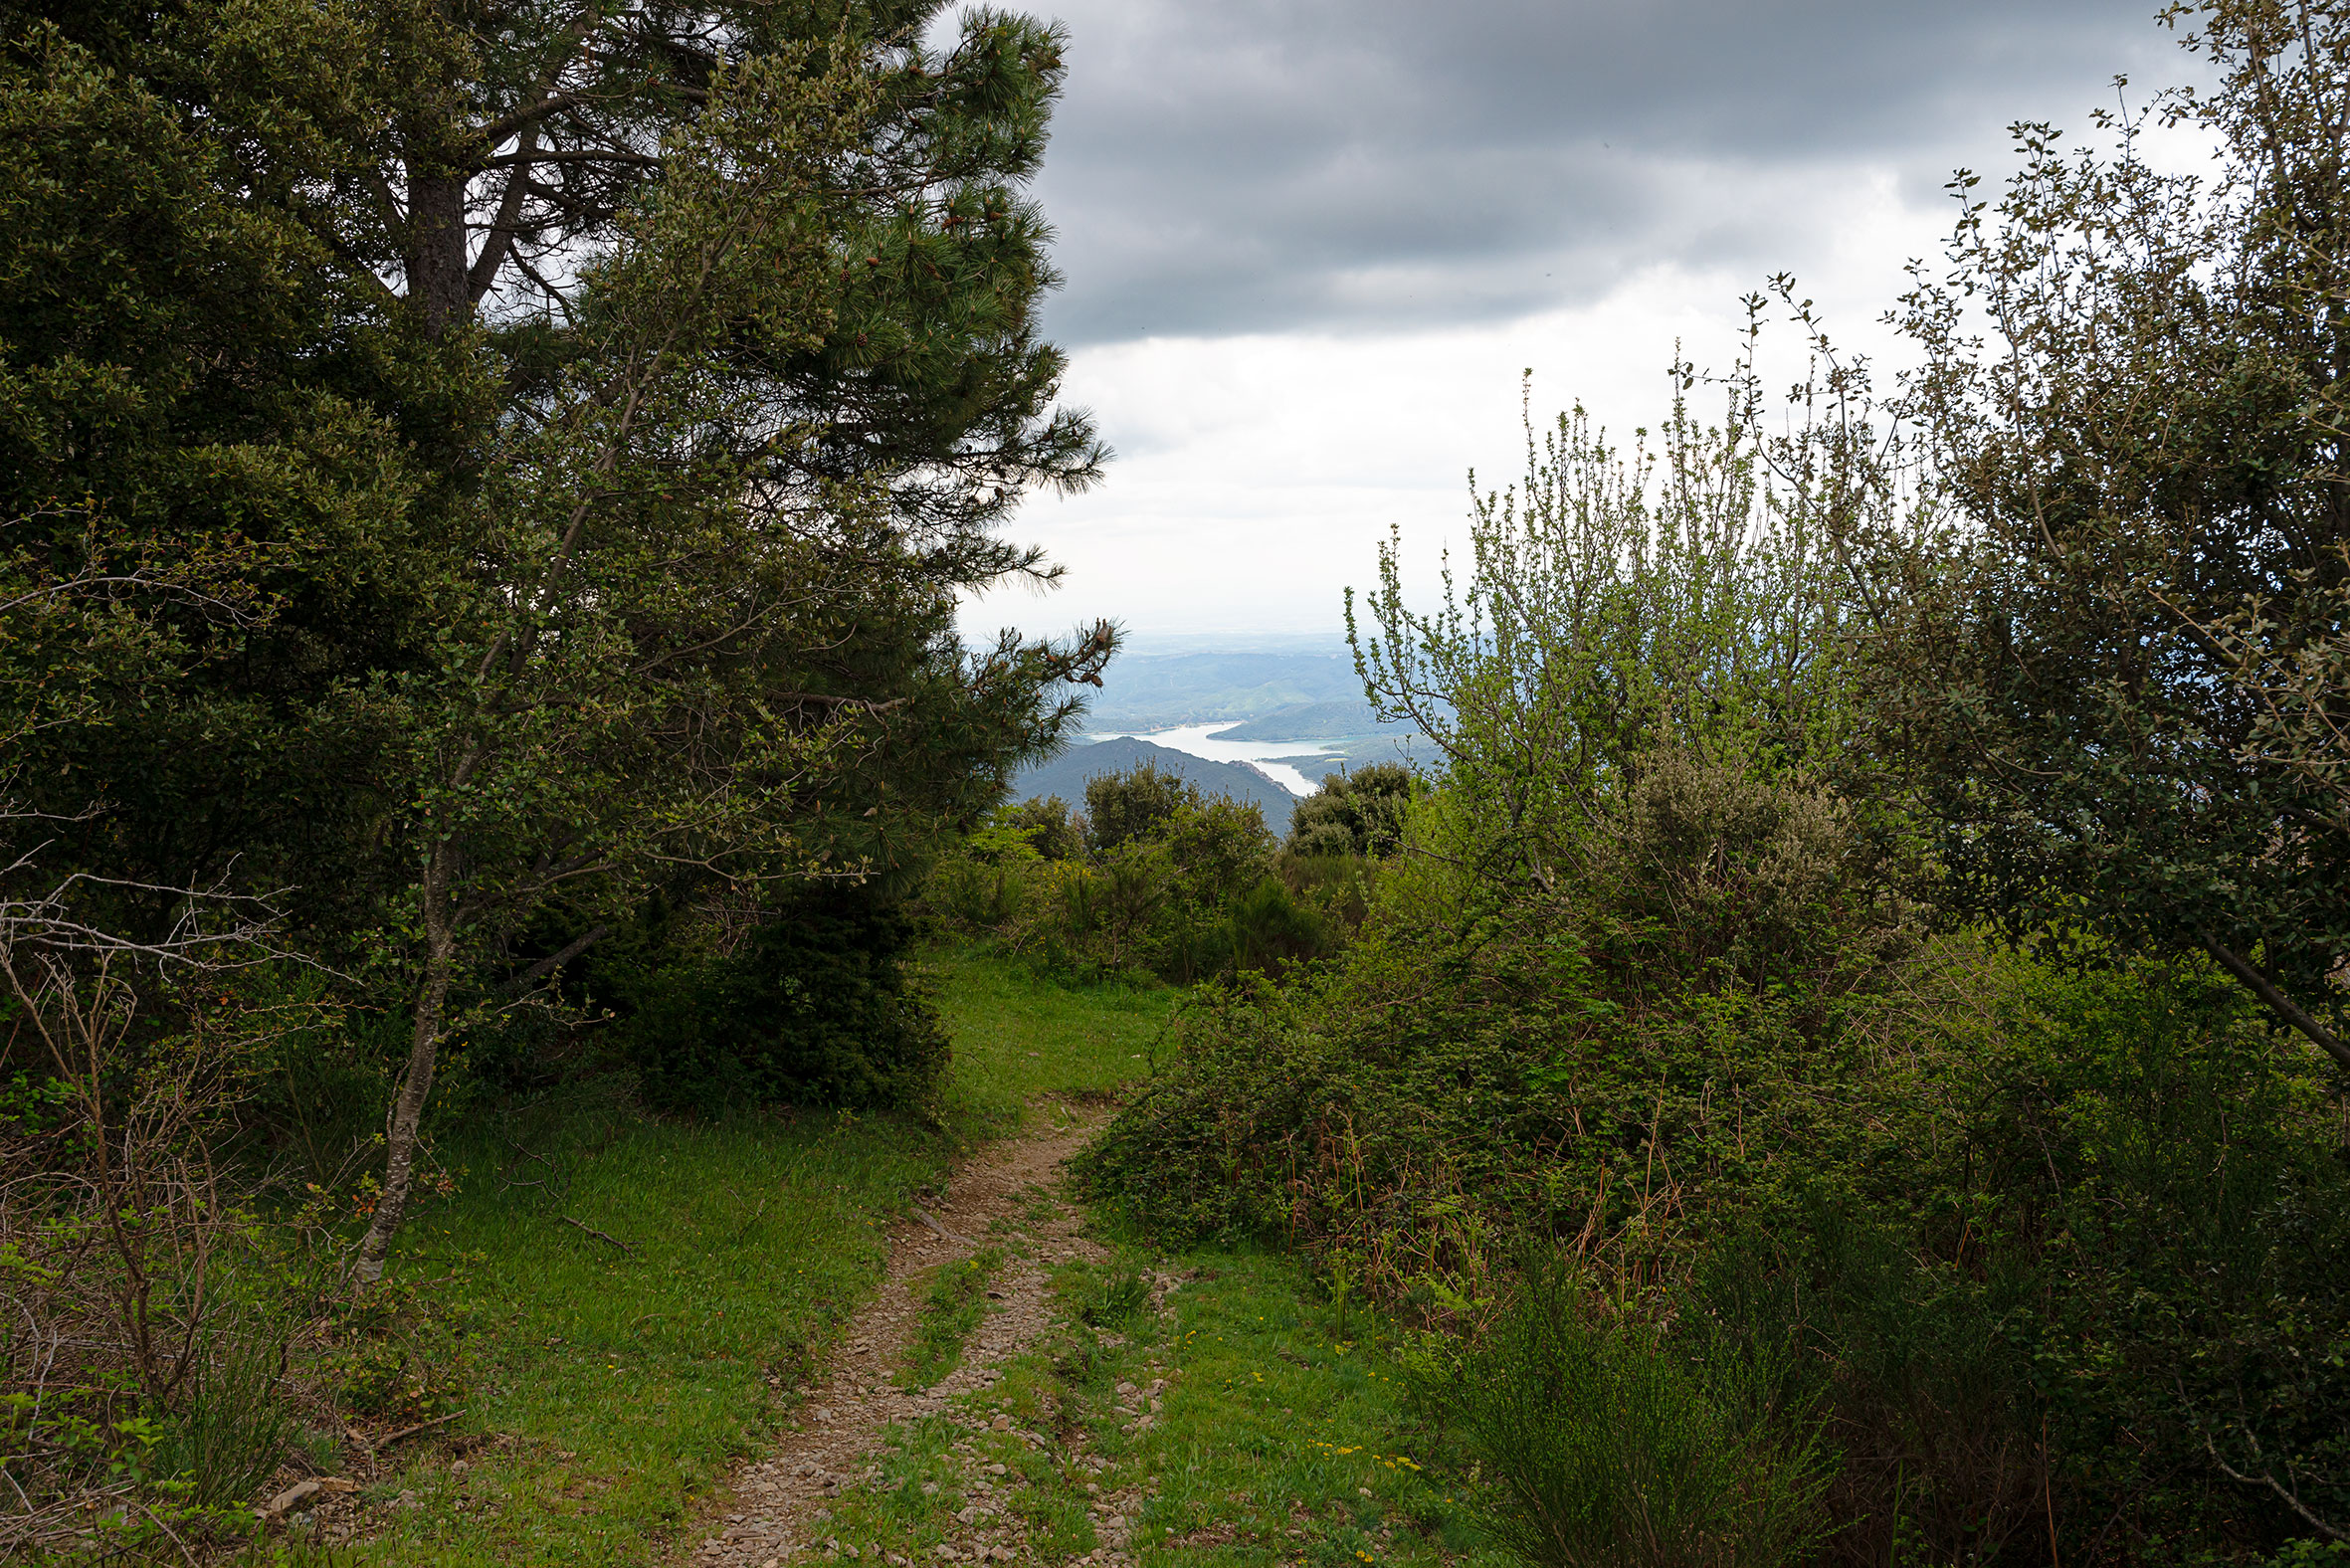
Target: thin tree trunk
[[2278, 1003], [547, 966], [432, 998]]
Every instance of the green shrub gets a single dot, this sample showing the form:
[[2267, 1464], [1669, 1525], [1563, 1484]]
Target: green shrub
[[811, 1007], [2060, 1236], [1046, 825], [1601, 1447], [1169, 882], [1920, 1384], [1137, 804], [1357, 813], [228, 1435], [1585, 1062], [396, 1354]]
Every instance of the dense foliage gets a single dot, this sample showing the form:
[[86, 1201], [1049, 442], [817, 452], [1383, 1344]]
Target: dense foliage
[[1844, 1065], [811, 1007], [2121, 672], [1361, 813], [1151, 878], [474, 477]]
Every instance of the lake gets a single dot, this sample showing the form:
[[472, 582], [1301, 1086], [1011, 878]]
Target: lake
[[1199, 740]]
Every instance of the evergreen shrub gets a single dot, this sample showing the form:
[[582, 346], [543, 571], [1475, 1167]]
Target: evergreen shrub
[[813, 1008]]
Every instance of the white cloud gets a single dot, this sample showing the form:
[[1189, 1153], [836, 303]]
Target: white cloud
[[1257, 474], [1311, 245]]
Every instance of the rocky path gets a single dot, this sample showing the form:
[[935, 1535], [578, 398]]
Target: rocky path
[[781, 1506]]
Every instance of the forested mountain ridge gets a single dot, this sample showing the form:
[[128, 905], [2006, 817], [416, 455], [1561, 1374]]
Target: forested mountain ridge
[[1067, 774]]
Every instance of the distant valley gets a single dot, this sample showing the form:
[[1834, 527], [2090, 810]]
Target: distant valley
[[1307, 693]]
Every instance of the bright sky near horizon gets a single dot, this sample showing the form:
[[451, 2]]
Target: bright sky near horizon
[[1310, 246]]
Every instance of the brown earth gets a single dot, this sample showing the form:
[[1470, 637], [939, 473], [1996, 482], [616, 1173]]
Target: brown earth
[[778, 1506]]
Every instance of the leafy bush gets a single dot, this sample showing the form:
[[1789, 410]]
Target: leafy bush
[[1604, 1448], [1137, 804], [1581, 1063], [1168, 881], [811, 1007], [1912, 1366], [1046, 825], [1358, 813], [2039, 1243]]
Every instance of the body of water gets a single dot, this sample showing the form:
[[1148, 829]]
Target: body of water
[[1199, 740]]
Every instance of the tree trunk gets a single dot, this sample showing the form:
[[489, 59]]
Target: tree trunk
[[437, 280], [2282, 1005], [432, 998]]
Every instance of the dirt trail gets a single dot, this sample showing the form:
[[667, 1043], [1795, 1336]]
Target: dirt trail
[[778, 1506]]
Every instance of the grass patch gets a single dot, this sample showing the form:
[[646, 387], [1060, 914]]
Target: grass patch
[[607, 1382], [1018, 1036], [953, 1306], [612, 1380], [1223, 1421], [1275, 1439]]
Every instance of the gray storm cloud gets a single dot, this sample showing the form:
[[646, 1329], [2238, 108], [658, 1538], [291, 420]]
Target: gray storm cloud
[[1222, 167]]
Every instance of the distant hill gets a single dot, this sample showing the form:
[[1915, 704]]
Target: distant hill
[[1308, 722], [1066, 776], [1163, 691]]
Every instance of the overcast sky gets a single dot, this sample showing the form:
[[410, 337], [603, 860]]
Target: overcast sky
[[1310, 246]]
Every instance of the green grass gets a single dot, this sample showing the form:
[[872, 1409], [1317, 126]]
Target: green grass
[[607, 1383], [619, 1383], [1017, 1037], [1276, 1441], [610, 1383], [953, 1306]]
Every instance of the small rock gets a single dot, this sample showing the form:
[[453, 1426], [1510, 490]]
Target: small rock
[[1125, 1388], [459, 1468], [304, 1494], [995, 1470], [1002, 1424]]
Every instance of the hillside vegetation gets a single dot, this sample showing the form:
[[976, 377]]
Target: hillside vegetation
[[1844, 1062], [1832, 1051]]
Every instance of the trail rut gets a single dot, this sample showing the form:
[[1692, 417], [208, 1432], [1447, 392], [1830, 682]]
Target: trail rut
[[777, 1507]]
